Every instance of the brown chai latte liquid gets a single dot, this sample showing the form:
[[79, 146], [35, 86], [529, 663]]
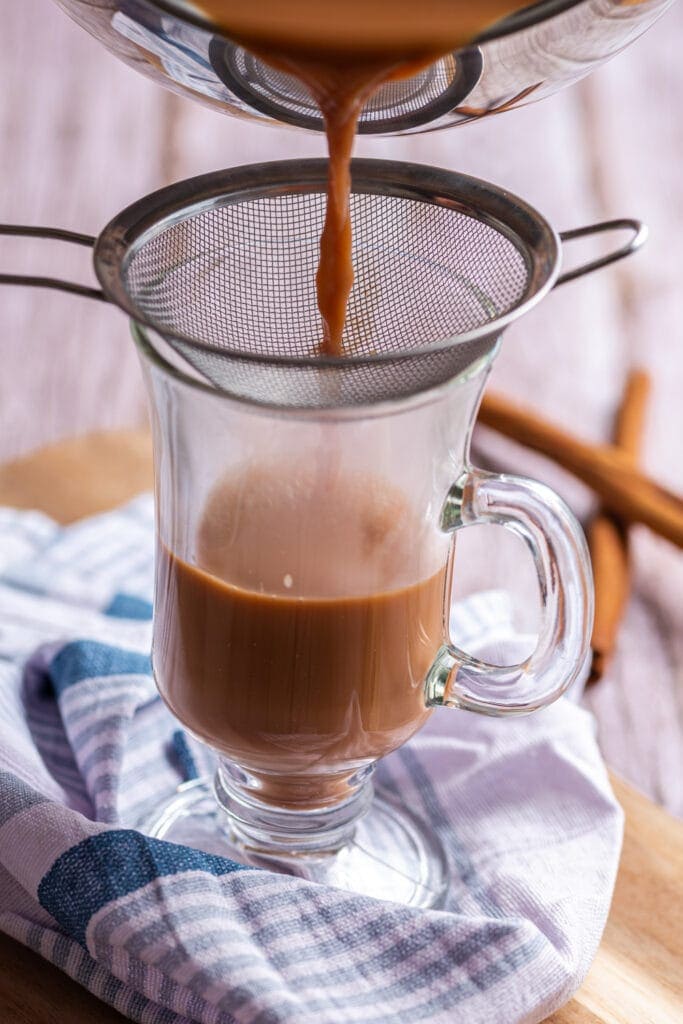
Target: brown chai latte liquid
[[298, 644], [343, 52]]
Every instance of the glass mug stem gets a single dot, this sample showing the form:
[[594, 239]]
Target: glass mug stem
[[269, 829], [560, 554]]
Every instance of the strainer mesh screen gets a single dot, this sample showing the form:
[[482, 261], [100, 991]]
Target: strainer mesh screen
[[242, 276], [392, 100]]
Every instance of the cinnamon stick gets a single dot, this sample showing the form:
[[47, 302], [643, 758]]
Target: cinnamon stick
[[608, 538], [630, 426], [623, 488]]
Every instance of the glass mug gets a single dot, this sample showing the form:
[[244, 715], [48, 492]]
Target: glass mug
[[301, 622]]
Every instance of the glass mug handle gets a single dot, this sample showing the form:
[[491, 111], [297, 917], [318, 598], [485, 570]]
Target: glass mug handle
[[560, 553]]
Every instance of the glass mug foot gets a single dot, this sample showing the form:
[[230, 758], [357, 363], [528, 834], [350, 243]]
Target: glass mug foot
[[371, 845]]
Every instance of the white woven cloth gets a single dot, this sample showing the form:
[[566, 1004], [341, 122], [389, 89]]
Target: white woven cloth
[[167, 934]]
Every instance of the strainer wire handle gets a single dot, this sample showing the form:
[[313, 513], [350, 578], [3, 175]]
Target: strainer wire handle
[[638, 238], [73, 237]]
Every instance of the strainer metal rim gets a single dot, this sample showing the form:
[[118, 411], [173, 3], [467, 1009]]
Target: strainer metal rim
[[513, 217]]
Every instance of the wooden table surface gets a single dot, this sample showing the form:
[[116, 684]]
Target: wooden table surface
[[637, 977]]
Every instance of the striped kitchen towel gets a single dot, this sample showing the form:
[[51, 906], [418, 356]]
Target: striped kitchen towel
[[168, 934]]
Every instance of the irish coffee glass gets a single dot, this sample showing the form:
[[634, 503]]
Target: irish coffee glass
[[303, 591]]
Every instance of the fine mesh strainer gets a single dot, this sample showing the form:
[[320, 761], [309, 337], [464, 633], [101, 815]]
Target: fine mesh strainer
[[397, 106], [222, 269]]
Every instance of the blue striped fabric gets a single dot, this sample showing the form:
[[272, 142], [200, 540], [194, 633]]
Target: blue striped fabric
[[128, 606], [169, 935]]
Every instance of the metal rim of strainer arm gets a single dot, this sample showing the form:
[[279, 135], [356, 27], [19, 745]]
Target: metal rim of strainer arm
[[133, 227]]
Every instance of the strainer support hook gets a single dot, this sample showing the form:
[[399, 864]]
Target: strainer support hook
[[57, 284], [638, 238]]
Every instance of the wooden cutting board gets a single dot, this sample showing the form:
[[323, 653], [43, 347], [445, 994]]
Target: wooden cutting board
[[637, 976]]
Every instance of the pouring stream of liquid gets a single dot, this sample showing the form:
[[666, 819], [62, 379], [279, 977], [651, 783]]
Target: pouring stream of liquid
[[343, 58]]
